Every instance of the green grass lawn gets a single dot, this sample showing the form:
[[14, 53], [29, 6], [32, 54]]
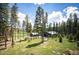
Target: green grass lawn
[[50, 47]]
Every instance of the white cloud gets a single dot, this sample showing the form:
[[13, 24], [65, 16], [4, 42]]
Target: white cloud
[[39, 3], [21, 17], [56, 16], [71, 9]]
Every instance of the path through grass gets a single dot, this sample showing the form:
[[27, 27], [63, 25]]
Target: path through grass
[[52, 46]]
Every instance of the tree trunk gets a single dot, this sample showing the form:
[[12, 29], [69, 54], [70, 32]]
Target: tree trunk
[[42, 37], [12, 41], [12, 32], [5, 37], [5, 41]]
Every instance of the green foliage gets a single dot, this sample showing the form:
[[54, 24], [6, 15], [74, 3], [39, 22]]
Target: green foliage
[[27, 25], [60, 39], [13, 21], [50, 47], [29, 28], [69, 28], [3, 17], [14, 17], [40, 20], [77, 43], [50, 28], [70, 38], [77, 36], [75, 24], [69, 24], [3, 27], [4, 11]]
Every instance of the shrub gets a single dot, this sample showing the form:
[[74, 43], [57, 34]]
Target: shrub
[[60, 39], [70, 38], [77, 38], [67, 36], [77, 43]]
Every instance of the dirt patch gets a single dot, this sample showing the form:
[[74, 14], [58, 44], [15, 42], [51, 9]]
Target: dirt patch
[[70, 52]]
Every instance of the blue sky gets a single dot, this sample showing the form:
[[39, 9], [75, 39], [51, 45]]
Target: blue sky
[[30, 8], [49, 7], [54, 10]]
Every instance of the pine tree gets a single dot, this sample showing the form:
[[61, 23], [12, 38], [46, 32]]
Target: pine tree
[[69, 24], [39, 19], [75, 24], [14, 17], [53, 26], [27, 23], [40, 22], [50, 27], [14, 20], [23, 26], [45, 21], [30, 28], [63, 27], [4, 20], [56, 27]]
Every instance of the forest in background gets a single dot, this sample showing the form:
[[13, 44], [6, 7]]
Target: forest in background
[[9, 24]]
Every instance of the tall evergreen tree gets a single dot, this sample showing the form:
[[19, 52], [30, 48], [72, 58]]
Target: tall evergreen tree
[[4, 15], [27, 23], [64, 27], [69, 24], [39, 19], [40, 22], [50, 27], [45, 21], [53, 26], [56, 27], [14, 19], [24, 25], [30, 28], [75, 24]]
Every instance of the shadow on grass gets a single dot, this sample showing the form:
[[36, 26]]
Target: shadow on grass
[[21, 41], [2, 48], [2, 44], [33, 45], [2, 41]]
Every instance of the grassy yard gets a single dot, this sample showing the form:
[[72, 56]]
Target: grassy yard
[[50, 47]]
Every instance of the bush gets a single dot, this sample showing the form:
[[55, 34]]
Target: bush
[[77, 38], [60, 39], [70, 38], [53, 36], [74, 38], [62, 35], [78, 43], [67, 36]]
